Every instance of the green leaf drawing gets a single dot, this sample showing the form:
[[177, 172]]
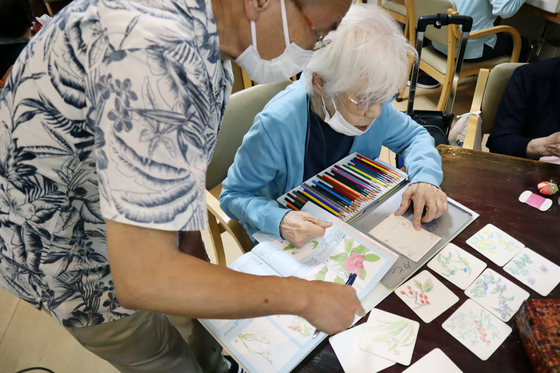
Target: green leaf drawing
[[339, 280], [289, 247], [371, 258], [321, 274], [428, 286], [363, 275], [348, 246], [360, 249]]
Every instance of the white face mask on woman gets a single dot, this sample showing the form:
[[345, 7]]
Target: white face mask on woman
[[341, 125], [289, 63]]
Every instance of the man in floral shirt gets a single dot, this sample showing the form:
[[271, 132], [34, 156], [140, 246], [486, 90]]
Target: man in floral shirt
[[107, 123]]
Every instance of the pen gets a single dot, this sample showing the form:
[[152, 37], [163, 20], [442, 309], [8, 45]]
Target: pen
[[350, 281]]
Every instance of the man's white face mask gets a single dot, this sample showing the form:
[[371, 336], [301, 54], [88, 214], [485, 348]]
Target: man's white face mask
[[341, 125], [292, 61]]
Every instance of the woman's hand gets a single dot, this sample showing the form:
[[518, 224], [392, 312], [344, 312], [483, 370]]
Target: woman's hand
[[299, 227], [424, 195]]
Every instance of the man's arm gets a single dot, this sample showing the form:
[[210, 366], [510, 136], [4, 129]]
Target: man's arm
[[151, 274]]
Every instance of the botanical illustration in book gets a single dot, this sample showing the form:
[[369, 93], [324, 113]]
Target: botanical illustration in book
[[263, 347], [311, 245], [349, 258]]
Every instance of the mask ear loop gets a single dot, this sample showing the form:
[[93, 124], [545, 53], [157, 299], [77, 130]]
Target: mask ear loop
[[285, 23], [254, 34]]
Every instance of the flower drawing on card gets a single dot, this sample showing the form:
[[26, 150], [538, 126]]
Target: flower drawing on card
[[453, 265], [474, 327], [487, 284], [395, 334], [522, 267], [477, 329], [497, 294], [419, 293], [535, 271], [352, 259], [390, 336], [490, 241]]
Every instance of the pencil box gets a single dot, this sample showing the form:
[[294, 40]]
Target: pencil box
[[347, 188], [538, 324]]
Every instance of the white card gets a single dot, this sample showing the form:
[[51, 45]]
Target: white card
[[535, 271], [426, 296], [434, 362], [352, 359], [477, 329], [390, 336], [495, 244], [456, 265], [398, 233], [497, 294]]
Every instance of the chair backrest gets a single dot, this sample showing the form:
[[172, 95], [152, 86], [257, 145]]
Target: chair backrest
[[431, 7], [242, 108], [495, 88]]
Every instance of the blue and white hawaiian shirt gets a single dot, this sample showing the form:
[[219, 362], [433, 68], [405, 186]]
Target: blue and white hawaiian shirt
[[112, 111]]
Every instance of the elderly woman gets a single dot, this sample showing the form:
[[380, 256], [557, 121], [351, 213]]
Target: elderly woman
[[342, 105]]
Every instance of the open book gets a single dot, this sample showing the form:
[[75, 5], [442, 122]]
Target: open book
[[276, 344]]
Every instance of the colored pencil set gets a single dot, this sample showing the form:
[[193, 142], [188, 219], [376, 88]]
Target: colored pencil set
[[346, 188]]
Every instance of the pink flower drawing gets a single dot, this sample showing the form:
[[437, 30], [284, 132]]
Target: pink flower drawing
[[355, 263]]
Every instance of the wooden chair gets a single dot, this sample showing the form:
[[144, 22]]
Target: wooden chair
[[440, 66], [400, 11], [490, 88], [5, 78], [242, 108]]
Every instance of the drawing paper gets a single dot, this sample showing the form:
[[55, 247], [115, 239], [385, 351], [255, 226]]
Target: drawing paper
[[434, 362], [535, 271], [497, 294], [426, 296], [351, 357], [457, 266], [495, 244], [477, 329], [390, 336], [398, 233]]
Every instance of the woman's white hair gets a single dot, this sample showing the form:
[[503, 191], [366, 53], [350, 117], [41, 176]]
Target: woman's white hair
[[368, 56]]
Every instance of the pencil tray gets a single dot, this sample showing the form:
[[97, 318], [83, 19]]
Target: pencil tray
[[346, 188]]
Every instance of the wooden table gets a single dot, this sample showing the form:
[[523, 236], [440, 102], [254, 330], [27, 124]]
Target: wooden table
[[489, 184]]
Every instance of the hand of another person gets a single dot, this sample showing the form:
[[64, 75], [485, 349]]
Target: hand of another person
[[423, 195], [299, 227], [544, 146], [331, 307]]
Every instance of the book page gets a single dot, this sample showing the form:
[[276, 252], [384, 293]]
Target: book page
[[341, 251]]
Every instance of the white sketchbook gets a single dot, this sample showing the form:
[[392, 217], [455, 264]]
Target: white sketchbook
[[276, 344]]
